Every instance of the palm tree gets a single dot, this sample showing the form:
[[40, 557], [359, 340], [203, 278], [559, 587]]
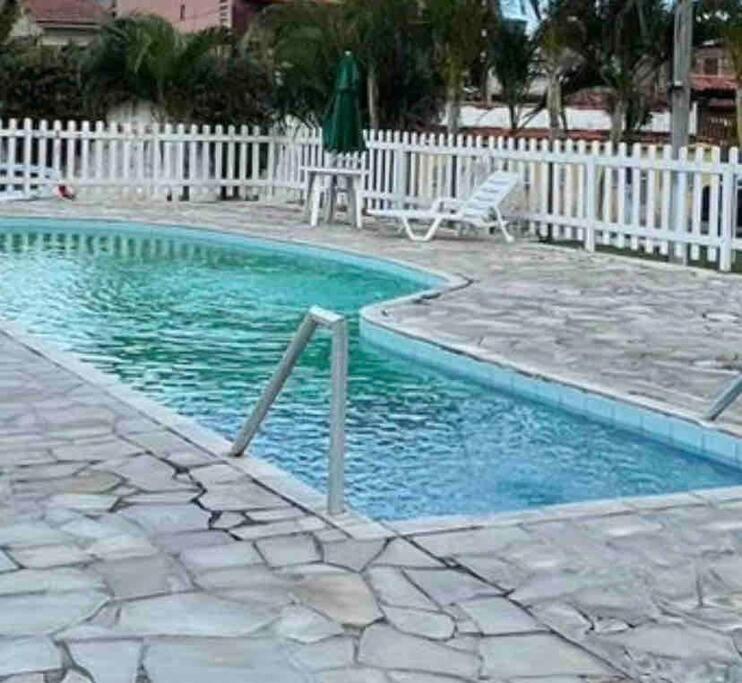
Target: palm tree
[[144, 58], [559, 63], [457, 28], [381, 31], [512, 56], [303, 41], [622, 44]]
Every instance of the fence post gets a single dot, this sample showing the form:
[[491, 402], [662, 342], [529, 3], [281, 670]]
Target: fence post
[[728, 192], [591, 177]]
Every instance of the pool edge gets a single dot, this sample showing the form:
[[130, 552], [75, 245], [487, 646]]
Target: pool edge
[[431, 352]]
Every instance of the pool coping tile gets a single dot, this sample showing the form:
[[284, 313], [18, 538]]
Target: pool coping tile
[[637, 414]]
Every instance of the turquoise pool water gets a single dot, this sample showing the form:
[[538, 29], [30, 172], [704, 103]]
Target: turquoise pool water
[[198, 321]]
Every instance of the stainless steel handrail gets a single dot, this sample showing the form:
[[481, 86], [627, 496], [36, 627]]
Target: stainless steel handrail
[[315, 317], [726, 397]]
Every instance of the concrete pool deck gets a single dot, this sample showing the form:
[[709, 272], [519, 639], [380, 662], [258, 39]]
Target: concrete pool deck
[[130, 551]]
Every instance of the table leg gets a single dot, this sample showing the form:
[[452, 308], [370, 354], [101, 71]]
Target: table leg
[[309, 198], [351, 198], [356, 192], [331, 197], [316, 197]]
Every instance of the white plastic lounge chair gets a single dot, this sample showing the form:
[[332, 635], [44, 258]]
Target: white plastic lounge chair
[[36, 182], [480, 211]]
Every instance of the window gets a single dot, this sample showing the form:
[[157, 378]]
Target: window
[[711, 66], [182, 12]]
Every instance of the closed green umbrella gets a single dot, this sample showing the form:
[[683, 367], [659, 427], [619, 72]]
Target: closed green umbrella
[[342, 131]]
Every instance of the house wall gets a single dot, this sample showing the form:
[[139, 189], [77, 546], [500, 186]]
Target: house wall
[[577, 119], [712, 61], [52, 36], [186, 15]]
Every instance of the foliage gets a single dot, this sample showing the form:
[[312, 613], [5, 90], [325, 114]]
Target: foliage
[[42, 83], [395, 51], [239, 91], [143, 57], [622, 44], [559, 63], [457, 29], [414, 54], [9, 12], [303, 41], [512, 55], [714, 17]]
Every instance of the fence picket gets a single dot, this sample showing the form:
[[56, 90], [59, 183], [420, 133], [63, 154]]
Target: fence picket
[[665, 200], [695, 213], [714, 229], [126, 158], [27, 153], [680, 217], [636, 198], [620, 217], [113, 177], [544, 171], [43, 133]]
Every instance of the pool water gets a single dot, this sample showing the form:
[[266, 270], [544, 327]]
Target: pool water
[[199, 320]]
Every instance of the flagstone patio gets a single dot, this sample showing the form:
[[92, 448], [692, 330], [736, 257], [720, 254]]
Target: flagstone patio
[[130, 551]]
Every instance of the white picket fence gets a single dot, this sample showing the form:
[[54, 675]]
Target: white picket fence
[[636, 198]]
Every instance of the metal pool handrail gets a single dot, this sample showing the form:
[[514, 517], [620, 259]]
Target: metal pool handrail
[[726, 397], [337, 324]]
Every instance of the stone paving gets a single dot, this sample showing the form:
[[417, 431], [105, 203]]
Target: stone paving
[[127, 553], [124, 559]]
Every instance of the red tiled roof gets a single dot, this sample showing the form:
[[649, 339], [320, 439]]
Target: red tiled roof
[[705, 83], [68, 12]]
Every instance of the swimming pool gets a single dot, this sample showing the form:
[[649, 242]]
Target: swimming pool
[[198, 321]]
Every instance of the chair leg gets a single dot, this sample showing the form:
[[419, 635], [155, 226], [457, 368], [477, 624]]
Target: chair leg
[[503, 228], [407, 228], [359, 205], [432, 230], [309, 197]]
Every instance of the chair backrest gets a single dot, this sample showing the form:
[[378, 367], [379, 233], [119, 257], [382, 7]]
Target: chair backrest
[[40, 180], [488, 195]]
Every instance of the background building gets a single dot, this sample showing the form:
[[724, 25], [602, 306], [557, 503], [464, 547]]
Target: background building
[[194, 15], [60, 22]]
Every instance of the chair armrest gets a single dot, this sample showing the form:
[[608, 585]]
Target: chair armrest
[[445, 203]]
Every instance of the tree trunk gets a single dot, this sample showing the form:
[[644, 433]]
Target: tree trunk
[[514, 118], [372, 91], [453, 108], [739, 113], [618, 117], [554, 105]]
